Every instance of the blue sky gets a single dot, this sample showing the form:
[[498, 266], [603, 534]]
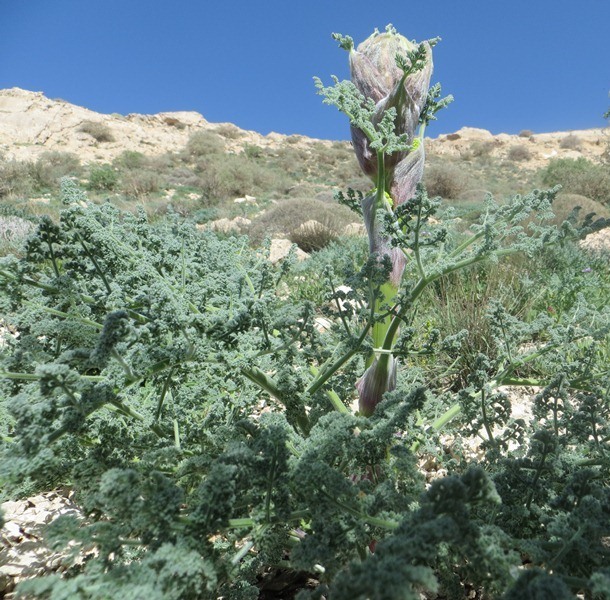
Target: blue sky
[[542, 65]]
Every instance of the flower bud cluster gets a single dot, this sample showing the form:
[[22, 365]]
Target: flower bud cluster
[[394, 73]]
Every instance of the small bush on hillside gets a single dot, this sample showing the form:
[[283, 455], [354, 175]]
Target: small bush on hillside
[[183, 177], [519, 153], [51, 167], [565, 203], [312, 235], [103, 178], [141, 183], [286, 217], [293, 160], [233, 175], [229, 131], [210, 182], [99, 131], [526, 133], [130, 160], [15, 178], [482, 149], [204, 143], [579, 176], [445, 180], [571, 142], [253, 151]]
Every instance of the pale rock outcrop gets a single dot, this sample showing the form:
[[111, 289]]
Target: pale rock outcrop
[[280, 248]]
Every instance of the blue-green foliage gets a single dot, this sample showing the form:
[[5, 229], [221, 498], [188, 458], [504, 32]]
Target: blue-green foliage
[[178, 383]]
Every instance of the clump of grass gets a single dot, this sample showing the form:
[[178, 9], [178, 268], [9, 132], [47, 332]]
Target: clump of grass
[[103, 178], [519, 153], [445, 180], [579, 176], [526, 133], [229, 131], [99, 131], [13, 231], [571, 142], [312, 235], [285, 218], [140, 183], [204, 143], [461, 302], [51, 166], [14, 179]]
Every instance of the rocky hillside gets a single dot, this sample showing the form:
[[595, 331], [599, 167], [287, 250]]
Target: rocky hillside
[[31, 123]]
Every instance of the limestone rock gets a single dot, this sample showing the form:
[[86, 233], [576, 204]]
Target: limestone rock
[[597, 242], [225, 225], [280, 248], [23, 550]]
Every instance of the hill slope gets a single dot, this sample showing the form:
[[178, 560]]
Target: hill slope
[[31, 123]]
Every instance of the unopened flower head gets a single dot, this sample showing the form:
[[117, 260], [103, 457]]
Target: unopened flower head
[[394, 73]]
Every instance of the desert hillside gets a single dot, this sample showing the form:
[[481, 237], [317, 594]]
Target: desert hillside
[[276, 185], [31, 123]]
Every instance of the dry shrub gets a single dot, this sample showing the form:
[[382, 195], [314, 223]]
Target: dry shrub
[[15, 178], [233, 175], [130, 160], [285, 218], [571, 142], [137, 184], [183, 177], [519, 153], [52, 166], [204, 143], [483, 149], [293, 139], [229, 131], [565, 203], [445, 180], [526, 133], [99, 131], [312, 235], [579, 176]]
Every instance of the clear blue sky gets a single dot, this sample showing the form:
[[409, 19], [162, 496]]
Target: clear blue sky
[[511, 64]]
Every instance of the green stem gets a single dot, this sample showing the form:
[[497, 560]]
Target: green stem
[[64, 315], [266, 383], [96, 265], [374, 521], [485, 419], [34, 377], [328, 372], [332, 395]]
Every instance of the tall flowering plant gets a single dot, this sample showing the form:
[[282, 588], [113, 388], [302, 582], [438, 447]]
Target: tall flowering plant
[[389, 102]]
